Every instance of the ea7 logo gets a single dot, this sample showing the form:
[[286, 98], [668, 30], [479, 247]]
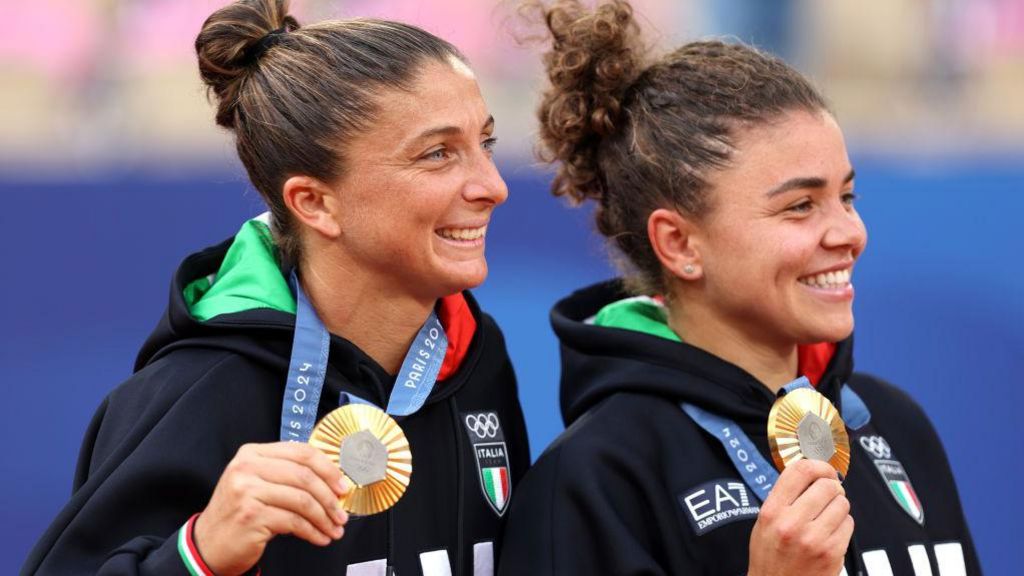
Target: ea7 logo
[[717, 503]]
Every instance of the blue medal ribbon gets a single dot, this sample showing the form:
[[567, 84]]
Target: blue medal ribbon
[[756, 471], [308, 368]]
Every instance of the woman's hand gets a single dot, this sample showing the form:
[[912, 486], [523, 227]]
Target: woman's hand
[[804, 526], [266, 490]]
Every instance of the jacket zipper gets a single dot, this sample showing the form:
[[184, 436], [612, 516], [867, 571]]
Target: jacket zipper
[[459, 510]]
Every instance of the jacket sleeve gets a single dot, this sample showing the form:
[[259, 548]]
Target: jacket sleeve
[[579, 514], [928, 449], [149, 461], [942, 473]]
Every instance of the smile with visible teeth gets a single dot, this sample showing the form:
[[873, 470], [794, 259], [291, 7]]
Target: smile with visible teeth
[[462, 234], [828, 280]]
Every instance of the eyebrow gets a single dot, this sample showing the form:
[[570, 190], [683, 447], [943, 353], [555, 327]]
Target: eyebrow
[[448, 130], [804, 182]]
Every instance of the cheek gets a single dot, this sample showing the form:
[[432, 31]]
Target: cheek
[[795, 246], [760, 255], [426, 200], [793, 255], [394, 215]]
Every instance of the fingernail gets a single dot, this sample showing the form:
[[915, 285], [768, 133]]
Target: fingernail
[[339, 531], [343, 486]]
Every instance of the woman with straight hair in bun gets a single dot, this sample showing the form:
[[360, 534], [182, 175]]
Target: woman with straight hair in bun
[[371, 145], [722, 180]]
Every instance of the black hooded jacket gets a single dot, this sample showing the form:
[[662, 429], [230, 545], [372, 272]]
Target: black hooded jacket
[[635, 487], [159, 442]]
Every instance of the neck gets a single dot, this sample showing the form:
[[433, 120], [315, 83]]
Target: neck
[[773, 365], [378, 317]]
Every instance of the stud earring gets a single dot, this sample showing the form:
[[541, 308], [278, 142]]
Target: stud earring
[[688, 269]]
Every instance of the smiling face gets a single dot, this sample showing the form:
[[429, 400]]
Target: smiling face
[[421, 185], [778, 247]]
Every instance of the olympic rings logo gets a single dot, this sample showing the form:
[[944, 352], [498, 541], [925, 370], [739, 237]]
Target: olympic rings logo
[[877, 446], [484, 425]]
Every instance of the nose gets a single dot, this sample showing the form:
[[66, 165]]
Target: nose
[[845, 230], [485, 184]]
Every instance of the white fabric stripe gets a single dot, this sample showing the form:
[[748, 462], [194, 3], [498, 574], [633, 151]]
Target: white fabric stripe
[[877, 563], [371, 568], [919, 558], [499, 488], [905, 491], [843, 572], [435, 563], [186, 554], [483, 559], [950, 557]]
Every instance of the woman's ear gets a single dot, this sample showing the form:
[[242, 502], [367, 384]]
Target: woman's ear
[[674, 241], [313, 204]]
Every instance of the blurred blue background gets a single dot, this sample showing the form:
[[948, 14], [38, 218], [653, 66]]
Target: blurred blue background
[[113, 172], [939, 310]]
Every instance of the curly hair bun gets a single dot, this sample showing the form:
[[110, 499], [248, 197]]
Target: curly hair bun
[[225, 45], [595, 56]]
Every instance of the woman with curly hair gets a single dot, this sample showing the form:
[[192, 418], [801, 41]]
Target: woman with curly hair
[[722, 179]]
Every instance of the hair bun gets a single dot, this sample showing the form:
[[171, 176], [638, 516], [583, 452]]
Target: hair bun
[[229, 43], [595, 56]]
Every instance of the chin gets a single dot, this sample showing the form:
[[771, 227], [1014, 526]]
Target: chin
[[831, 333], [464, 278]]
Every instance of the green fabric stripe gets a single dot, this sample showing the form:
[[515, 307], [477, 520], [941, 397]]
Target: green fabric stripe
[[489, 485], [640, 314], [249, 278], [183, 552]]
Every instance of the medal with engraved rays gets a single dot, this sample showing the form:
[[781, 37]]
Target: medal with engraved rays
[[804, 424], [372, 452]]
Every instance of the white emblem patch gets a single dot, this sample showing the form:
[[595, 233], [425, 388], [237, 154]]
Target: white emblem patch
[[717, 503], [484, 431]]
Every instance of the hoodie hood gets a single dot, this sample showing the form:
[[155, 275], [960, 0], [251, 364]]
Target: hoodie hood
[[235, 296], [612, 343], [249, 277]]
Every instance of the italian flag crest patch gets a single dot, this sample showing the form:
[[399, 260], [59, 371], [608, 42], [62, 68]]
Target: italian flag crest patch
[[902, 490], [893, 474], [488, 441]]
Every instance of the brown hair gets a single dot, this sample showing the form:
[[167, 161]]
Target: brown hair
[[636, 136], [294, 95]]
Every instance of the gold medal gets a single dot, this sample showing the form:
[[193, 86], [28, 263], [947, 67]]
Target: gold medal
[[804, 424], [372, 452]]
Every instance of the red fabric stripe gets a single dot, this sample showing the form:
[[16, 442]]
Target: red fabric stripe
[[813, 359], [460, 326], [191, 543], [910, 490], [504, 481]]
